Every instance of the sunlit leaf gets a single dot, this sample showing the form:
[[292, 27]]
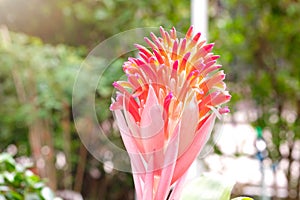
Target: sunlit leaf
[[242, 198], [208, 187]]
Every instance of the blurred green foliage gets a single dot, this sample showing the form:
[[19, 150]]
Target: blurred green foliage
[[18, 183], [258, 42], [88, 22], [33, 74], [259, 46]]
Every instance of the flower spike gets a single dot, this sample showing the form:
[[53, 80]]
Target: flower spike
[[167, 107]]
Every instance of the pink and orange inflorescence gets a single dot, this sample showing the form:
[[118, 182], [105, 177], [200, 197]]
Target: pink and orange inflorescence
[[166, 109]]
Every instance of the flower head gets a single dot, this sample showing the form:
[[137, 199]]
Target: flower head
[[166, 108]]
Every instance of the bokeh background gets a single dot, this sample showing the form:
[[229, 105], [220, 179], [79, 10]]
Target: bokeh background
[[43, 43]]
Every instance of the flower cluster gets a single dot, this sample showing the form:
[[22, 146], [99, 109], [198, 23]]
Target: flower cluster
[[166, 109]]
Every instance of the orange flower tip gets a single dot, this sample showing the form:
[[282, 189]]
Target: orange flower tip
[[131, 60], [158, 56], [196, 37], [208, 64], [186, 57], [182, 44], [139, 47], [200, 44], [111, 107], [175, 46], [207, 70], [162, 30], [118, 86], [152, 60], [153, 36], [214, 57], [211, 68], [167, 100], [139, 62], [227, 97], [115, 84], [224, 110], [175, 65], [194, 73], [147, 40], [189, 32], [222, 76], [208, 47], [173, 33], [143, 56], [170, 95], [174, 50]]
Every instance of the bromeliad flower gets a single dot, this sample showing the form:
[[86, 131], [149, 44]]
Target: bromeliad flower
[[166, 109]]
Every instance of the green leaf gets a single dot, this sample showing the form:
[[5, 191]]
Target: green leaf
[[14, 195], [7, 162], [242, 198], [32, 180], [208, 187], [9, 177]]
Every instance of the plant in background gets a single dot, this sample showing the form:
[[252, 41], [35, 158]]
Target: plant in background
[[18, 183], [166, 109]]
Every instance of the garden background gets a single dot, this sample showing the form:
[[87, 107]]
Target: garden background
[[43, 43]]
